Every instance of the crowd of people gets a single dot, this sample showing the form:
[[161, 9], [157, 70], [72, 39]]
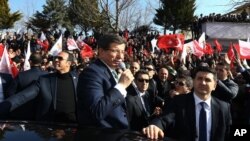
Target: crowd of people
[[196, 27], [154, 92]]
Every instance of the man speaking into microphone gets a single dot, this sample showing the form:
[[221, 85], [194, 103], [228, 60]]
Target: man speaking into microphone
[[101, 94]]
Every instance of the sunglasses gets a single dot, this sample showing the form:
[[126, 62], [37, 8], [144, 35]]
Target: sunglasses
[[150, 69], [133, 67], [60, 58], [179, 83], [143, 80]]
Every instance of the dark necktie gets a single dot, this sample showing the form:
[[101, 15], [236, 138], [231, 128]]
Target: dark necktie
[[202, 123], [146, 104]]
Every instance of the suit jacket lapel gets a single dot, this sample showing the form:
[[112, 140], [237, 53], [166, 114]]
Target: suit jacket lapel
[[215, 113], [138, 102], [190, 111], [53, 88], [106, 72]]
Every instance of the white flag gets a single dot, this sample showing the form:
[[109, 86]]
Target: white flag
[[42, 37], [184, 54], [57, 47], [26, 65], [202, 40], [154, 45]]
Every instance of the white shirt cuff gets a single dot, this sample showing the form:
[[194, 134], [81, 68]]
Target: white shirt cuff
[[121, 90]]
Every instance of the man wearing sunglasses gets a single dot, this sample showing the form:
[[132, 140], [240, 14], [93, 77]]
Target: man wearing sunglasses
[[55, 93], [152, 89], [140, 105]]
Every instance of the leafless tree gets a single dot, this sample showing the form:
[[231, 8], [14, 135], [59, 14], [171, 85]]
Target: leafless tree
[[113, 9]]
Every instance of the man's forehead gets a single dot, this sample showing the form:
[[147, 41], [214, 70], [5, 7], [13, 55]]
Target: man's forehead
[[204, 74]]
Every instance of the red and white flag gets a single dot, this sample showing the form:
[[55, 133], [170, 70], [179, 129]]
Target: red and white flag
[[86, 51], [243, 49], [1, 49], [198, 49], [71, 43], [171, 41], [7, 65]]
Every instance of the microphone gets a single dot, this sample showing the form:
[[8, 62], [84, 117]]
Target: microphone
[[122, 66]]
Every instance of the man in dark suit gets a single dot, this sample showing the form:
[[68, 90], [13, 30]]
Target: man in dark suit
[[139, 104], [163, 85], [226, 88], [101, 95], [194, 116], [22, 81], [6, 80], [56, 93]]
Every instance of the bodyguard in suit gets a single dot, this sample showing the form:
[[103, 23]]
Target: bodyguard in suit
[[139, 104], [5, 82], [56, 93], [101, 95], [197, 116], [22, 81]]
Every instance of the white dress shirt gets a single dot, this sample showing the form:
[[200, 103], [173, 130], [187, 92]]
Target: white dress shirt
[[207, 107]]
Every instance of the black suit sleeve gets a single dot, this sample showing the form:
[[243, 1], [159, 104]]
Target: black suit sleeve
[[5, 109], [226, 90], [23, 96], [246, 75]]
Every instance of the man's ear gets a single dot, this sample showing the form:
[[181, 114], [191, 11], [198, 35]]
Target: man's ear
[[69, 62], [100, 52], [215, 84]]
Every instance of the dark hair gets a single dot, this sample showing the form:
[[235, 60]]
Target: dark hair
[[224, 64], [188, 79], [70, 56], [149, 63], [36, 58], [107, 39], [205, 69], [140, 72]]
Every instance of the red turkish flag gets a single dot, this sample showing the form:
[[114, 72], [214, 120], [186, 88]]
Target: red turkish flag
[[1, 49], [243, 49], [86, 51], [44, 44], [171, 41], [197, 49], [230, 53], [208, 49], [7, 65], [218, 45]]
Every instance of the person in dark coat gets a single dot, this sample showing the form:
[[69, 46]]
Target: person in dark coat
[[56, 94], [185, 117], [22, 81]]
